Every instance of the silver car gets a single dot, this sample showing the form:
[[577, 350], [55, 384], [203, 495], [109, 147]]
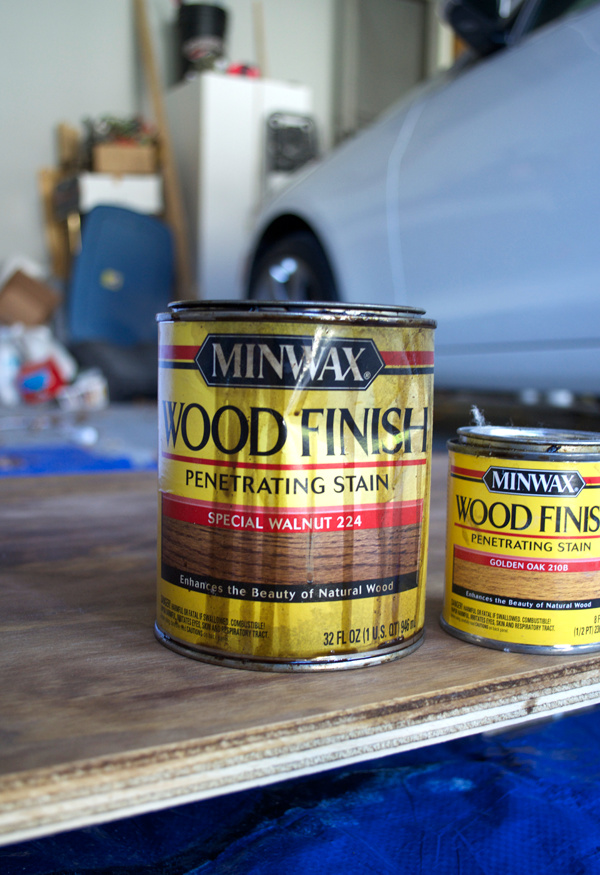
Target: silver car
[[477, 198]]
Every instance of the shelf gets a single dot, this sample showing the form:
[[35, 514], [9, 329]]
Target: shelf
[[99, 721]]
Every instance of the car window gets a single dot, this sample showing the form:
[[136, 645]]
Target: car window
[[486, 26], [546, 11]]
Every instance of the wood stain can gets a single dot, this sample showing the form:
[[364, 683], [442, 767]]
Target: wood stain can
[[523, 539], [294, 480]]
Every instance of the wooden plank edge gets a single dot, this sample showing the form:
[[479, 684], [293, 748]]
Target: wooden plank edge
[[45, 801], [175, 212]]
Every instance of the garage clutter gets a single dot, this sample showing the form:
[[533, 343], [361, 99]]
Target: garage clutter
[[84, 331], [108, 160], [34, 366]]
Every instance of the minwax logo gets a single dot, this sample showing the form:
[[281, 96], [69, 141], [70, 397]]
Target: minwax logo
[[515, 481], [288, 361]]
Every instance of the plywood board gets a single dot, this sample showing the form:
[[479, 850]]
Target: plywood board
[[99, 721]]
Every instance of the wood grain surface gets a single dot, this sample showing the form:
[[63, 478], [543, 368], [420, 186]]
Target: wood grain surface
[[99, 721]]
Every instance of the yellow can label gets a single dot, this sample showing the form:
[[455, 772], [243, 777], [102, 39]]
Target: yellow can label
[[523, 550], [294, 484]]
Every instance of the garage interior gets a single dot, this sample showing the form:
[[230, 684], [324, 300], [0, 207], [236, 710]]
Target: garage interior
[[119, 756]]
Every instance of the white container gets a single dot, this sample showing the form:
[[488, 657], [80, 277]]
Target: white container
[[135, 191]]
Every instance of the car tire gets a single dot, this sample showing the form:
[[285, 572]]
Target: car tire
[[295, 268]]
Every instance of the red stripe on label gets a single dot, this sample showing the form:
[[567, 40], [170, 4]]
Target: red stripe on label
[[406, 358], [227, 516], [396, 358], [522, 535], [226, 463], [180, 353], [466, 472], [519, 563]]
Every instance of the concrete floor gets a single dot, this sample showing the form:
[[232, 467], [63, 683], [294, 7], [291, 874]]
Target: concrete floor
[[130, 429], [122, 430]]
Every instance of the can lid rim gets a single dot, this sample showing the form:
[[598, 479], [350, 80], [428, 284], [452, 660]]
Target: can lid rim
[[308, 309], [542, 439]]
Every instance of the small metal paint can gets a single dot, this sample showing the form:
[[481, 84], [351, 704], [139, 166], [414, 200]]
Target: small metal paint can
[[294, 480], [523, 539]]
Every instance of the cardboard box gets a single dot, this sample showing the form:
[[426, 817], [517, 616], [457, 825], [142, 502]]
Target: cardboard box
[[26, 300], [124, 158]]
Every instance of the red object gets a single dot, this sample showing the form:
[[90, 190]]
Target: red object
[[39, 381], [244, 70]]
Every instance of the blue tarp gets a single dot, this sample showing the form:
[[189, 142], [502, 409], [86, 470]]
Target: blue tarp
[[29, 461], [520, 802]]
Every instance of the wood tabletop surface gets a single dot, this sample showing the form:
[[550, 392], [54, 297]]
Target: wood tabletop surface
[[99, 721]]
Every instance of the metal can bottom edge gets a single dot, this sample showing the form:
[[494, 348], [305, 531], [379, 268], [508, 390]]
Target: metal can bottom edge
[[322, 663], [515, 647]]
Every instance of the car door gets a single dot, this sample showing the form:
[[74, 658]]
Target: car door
[[495, 213]]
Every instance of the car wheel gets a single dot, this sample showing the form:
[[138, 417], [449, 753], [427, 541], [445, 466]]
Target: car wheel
[[294, 268]]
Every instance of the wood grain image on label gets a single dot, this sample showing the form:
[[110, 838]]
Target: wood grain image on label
[[537, 585], [290, 559]]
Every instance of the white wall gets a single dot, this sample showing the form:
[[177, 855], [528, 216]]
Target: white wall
[[63, 60], [59, 61], [299, 41]]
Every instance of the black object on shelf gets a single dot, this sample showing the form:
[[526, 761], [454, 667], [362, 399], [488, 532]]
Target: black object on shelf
[[201, 30]]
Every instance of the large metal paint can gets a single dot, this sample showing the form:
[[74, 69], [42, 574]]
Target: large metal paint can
[[294, 480]]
